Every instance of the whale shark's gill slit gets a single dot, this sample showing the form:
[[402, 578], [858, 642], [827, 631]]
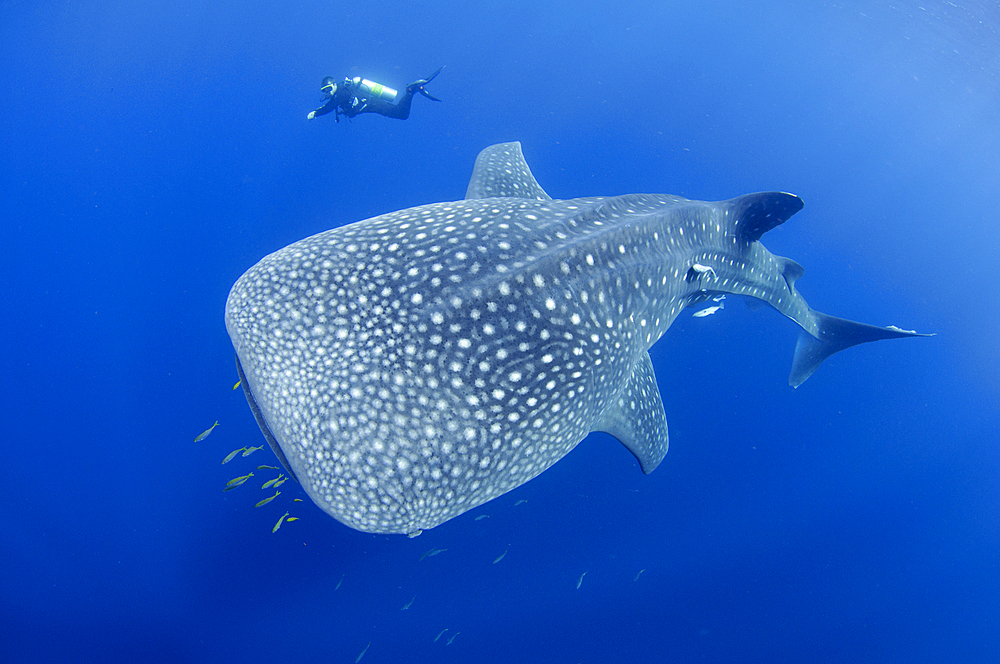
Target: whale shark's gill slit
[[262, 423]]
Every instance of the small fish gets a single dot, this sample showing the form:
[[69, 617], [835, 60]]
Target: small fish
[[440, 634], [296, 500], [500, 557], [453, 637], [708, 311], [703, 270], [638, 575], [280, 482], [432, 552], [271, 482], [278, 525], [229, 457], [482, 516], [523, 500], [237, 383], [363, 652], [337, 587], [250, 450], [291, 518], [267, 467], [408, 604], [267, 500], [236, 481], [580, 580], [204, 434], [719, 298]]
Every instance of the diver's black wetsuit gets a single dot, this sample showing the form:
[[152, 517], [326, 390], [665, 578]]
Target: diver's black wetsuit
[[349, 99]]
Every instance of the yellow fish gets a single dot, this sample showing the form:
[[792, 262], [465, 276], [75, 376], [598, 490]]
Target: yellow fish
[[237, 383], [291, 518], [232, 454], [236, 481], [204, 434], [250, 450], [267, 500], [272, 482], [267, 467], [278, 525]]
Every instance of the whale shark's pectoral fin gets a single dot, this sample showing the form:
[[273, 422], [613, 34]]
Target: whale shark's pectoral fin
[[637, 418], [501, 172], [836, 334]]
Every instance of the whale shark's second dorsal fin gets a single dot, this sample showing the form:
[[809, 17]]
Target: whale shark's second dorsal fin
[[755, 214], [501, 172]]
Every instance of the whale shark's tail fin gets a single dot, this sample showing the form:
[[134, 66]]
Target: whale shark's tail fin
[[836, 334]]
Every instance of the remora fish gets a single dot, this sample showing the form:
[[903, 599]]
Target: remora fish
[[410, 367], [708, 311]]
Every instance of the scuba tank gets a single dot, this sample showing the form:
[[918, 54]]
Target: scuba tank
[[371, 90]]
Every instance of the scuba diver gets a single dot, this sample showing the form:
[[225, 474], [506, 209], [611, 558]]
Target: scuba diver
[[357, 95]]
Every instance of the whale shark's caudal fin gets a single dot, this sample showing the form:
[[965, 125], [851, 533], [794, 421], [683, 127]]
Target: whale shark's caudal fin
[[836, 334]]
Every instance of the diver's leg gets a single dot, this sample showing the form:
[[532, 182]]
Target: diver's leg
[[401, 109]]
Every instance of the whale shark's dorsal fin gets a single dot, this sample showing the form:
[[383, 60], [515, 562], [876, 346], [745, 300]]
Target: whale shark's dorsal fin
[[755, 214], [501, 172]]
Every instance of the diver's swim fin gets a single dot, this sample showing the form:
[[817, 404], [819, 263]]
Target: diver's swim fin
[[418, 85]]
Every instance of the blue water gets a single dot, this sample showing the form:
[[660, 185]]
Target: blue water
[[154, 151]]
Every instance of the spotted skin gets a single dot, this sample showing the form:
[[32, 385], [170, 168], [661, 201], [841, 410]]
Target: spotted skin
[[410, 367]]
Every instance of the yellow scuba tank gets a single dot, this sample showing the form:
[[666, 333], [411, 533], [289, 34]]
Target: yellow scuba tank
[[372, 90]]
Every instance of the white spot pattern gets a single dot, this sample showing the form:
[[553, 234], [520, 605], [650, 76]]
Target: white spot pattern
[[418, 364]]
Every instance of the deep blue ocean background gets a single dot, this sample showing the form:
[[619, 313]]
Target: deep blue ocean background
[[152, 152]]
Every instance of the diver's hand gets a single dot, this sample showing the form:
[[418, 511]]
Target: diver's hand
[[311, 115]]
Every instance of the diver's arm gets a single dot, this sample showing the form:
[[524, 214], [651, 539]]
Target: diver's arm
[[328, 107]]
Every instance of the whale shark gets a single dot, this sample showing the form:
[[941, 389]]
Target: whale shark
[[412, 366]]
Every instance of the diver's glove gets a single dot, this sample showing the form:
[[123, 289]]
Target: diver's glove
[[311, 115]]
